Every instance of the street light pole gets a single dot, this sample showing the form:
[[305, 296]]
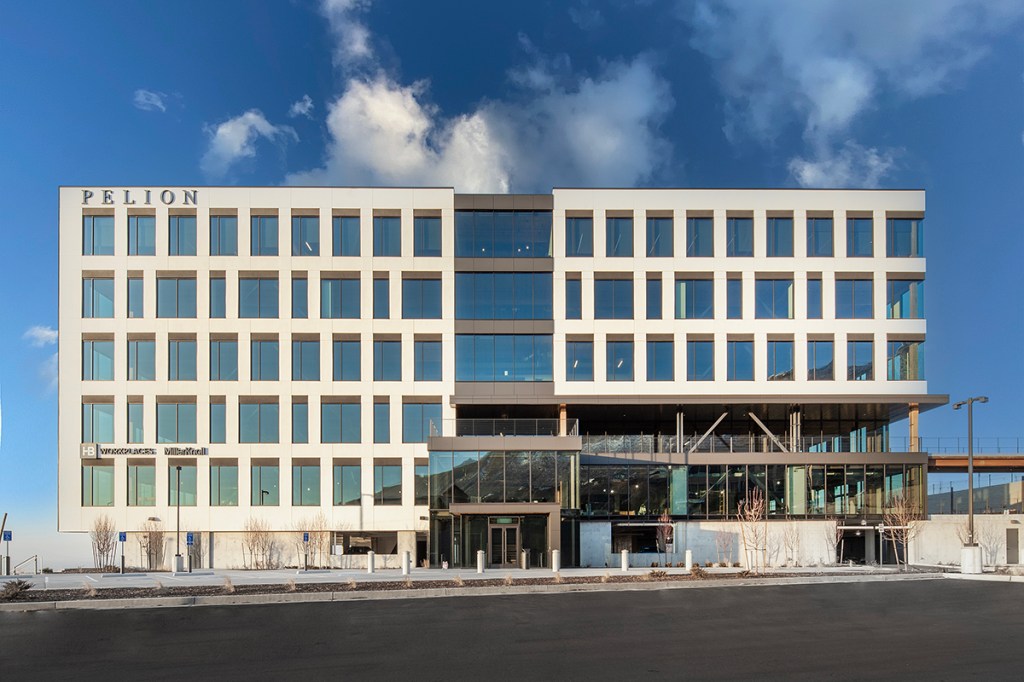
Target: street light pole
[[177, 532], [971, 547]]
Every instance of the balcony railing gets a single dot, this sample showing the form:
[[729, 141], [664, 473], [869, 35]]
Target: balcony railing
[[504, 427], [953, 445], [651, 444]]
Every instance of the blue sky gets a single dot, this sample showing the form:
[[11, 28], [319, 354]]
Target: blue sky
[[516, 97]]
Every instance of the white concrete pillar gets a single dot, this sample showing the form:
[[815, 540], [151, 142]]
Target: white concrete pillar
[[689, 559], [369, 562], [479, 561], [970, 559], [406, 561], [523, 560], [556, 560], [625, 560]]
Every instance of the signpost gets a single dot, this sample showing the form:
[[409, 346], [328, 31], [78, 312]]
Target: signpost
[[305, 555], [6, 567], [122, 537], [189, 541]]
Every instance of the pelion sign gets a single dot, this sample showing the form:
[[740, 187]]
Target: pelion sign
[[139, 197]]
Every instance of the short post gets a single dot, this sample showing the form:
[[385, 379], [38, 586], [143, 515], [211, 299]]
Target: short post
[[689, 559], [405, 562], [524, 559], [479, 561], [369, 562], [556, 560], [625, 560]]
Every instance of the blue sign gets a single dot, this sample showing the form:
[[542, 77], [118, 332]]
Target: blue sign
[[8, 535], [188, 538], [122, 537], [305, 537]]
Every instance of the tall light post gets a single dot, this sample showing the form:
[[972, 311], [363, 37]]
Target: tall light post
[[971, 555], [177, 532]]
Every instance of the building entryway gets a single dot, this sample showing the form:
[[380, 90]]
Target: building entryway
[[505, 543]]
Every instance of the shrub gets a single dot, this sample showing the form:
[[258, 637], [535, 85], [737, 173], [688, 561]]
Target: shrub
[[229, 587], [698, 572], [14, 589], [290, 585], [88, 590], [657, 575], [47, 569], [458, 581], [508, 581], [558, 579]]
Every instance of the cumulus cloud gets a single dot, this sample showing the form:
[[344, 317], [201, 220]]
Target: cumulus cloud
[[235, 139], [40, 336], [147, 100], [301, 108], [586, 16], [823, 64], [352, 37]]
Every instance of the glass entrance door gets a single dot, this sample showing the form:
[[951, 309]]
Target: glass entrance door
[[504, 546]]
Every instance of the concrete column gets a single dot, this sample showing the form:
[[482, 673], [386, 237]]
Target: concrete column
[[689, 559], [625, 560], [479, 561], [970, 559], [406, 560], [556, 560], [562, 421], [369, 562], [912, 414]]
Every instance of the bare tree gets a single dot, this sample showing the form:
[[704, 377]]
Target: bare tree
[[724, 541], [791, 541], [752, 515], [990, 535], [258, 544], [833, 538], [151, 542], [664, 534], [318, 548], [902, 522], [104, 542]]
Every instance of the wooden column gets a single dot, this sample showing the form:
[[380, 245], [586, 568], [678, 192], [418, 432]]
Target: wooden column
[[915, 442]]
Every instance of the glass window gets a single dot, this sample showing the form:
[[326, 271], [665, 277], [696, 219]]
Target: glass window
[[224, 360], [381, 422], [141, 235], [417, 419], [300, 298], [653, 299], [860, 237], [613, 299], [660, 361], [695, 299], [619, 361], [421, 299], [265, 485], [905, 360], [426, 361], [136, 305], [218, 298], [257, 297], [740, 356], [700, 237], [779, 242], [305, 236], [387, 360], [258, 422], [98, 235], [387, 236], [819, 237], [854, 299], [503, 296], [339, 299], [97, 423], [306, 485], [780, 361], [700, 360], [773, 299], [503, 234], [426, 236], [659, 238], [387, 484], [223, 485], [381, 298], [734, 299], [340, 423], [860, 364], [739, 237], [421, 476], [97, 485], [813, 299], [579, 360], [904, 237], [136, 430], [819, 360], [305, 361], [346, 361], [181, 360], [905, 299], [579, 237], [573, 299], [503, 357], [182, 239], [175, 297], [223, 235], [97, 360], [141, 359], [619, 237], [347, 484], [300, 421], [97, 297], [218, 423], [263, 235], [345, 233], [176, 423], [263, 365]]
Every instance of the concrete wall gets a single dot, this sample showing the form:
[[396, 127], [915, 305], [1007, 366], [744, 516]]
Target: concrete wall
[[940, 538]]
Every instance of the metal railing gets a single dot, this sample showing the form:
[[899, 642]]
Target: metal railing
[[504, 427], [952, 445], [651, 444]]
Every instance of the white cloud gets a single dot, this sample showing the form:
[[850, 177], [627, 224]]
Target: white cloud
[[850, 165], [352, 37], [40, 336], [301, 108], [147, 100], [586, 16], [235, 139]]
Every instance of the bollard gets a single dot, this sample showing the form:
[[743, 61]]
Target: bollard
[[556, 560], [689, 559], [369, 562], [524, 560], [625, 560], [480, 561], [405, 563]]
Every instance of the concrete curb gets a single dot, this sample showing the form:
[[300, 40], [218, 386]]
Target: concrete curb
[[986, 578], [433, 593]]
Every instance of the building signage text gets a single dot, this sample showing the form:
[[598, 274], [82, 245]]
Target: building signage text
[[93, 451], [139, 197]]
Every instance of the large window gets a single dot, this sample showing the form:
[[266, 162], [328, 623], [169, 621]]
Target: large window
[[141, 235], [503, 234], [780, 361], [579, 237], [223, 484], [339, 299], [573, 299], [619, 366], [387, 236], [619, 237], [860, 237], [904, 237], [97, 485], [740, 358], [660, 361], [176, 297], [381, 422], [613, 299], [503, 357], [141, 484], [905, 299], [300, 420], [346, 361], [426, 236], [905, 360], [306, 485], [426, 361], [734, 298], [305, 236], [347, 484], [257, 297], [700, 237], [263, 360], [773, 299], [182, 235], [659, 238], [345, 234], [136, 427], [653, 299], [305, 361], [175, 422], [814, 298], [579, 360], [223, 235], [860, 363], [97, 361], [258, 422], [819, 237], [854, 299], [502, 295], [387, 484], [224, 360], [266, 480], [340, 423], [97, 422], [98, 235], [136, 301], [421, 299], [218, 422], [695, 299], [820, 357], [181, 360], [779, 242], [218, 298], [300, 298], [700, 360], [263, 235], [739, 237], [381, 298], [416, 421], [387, 360]]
